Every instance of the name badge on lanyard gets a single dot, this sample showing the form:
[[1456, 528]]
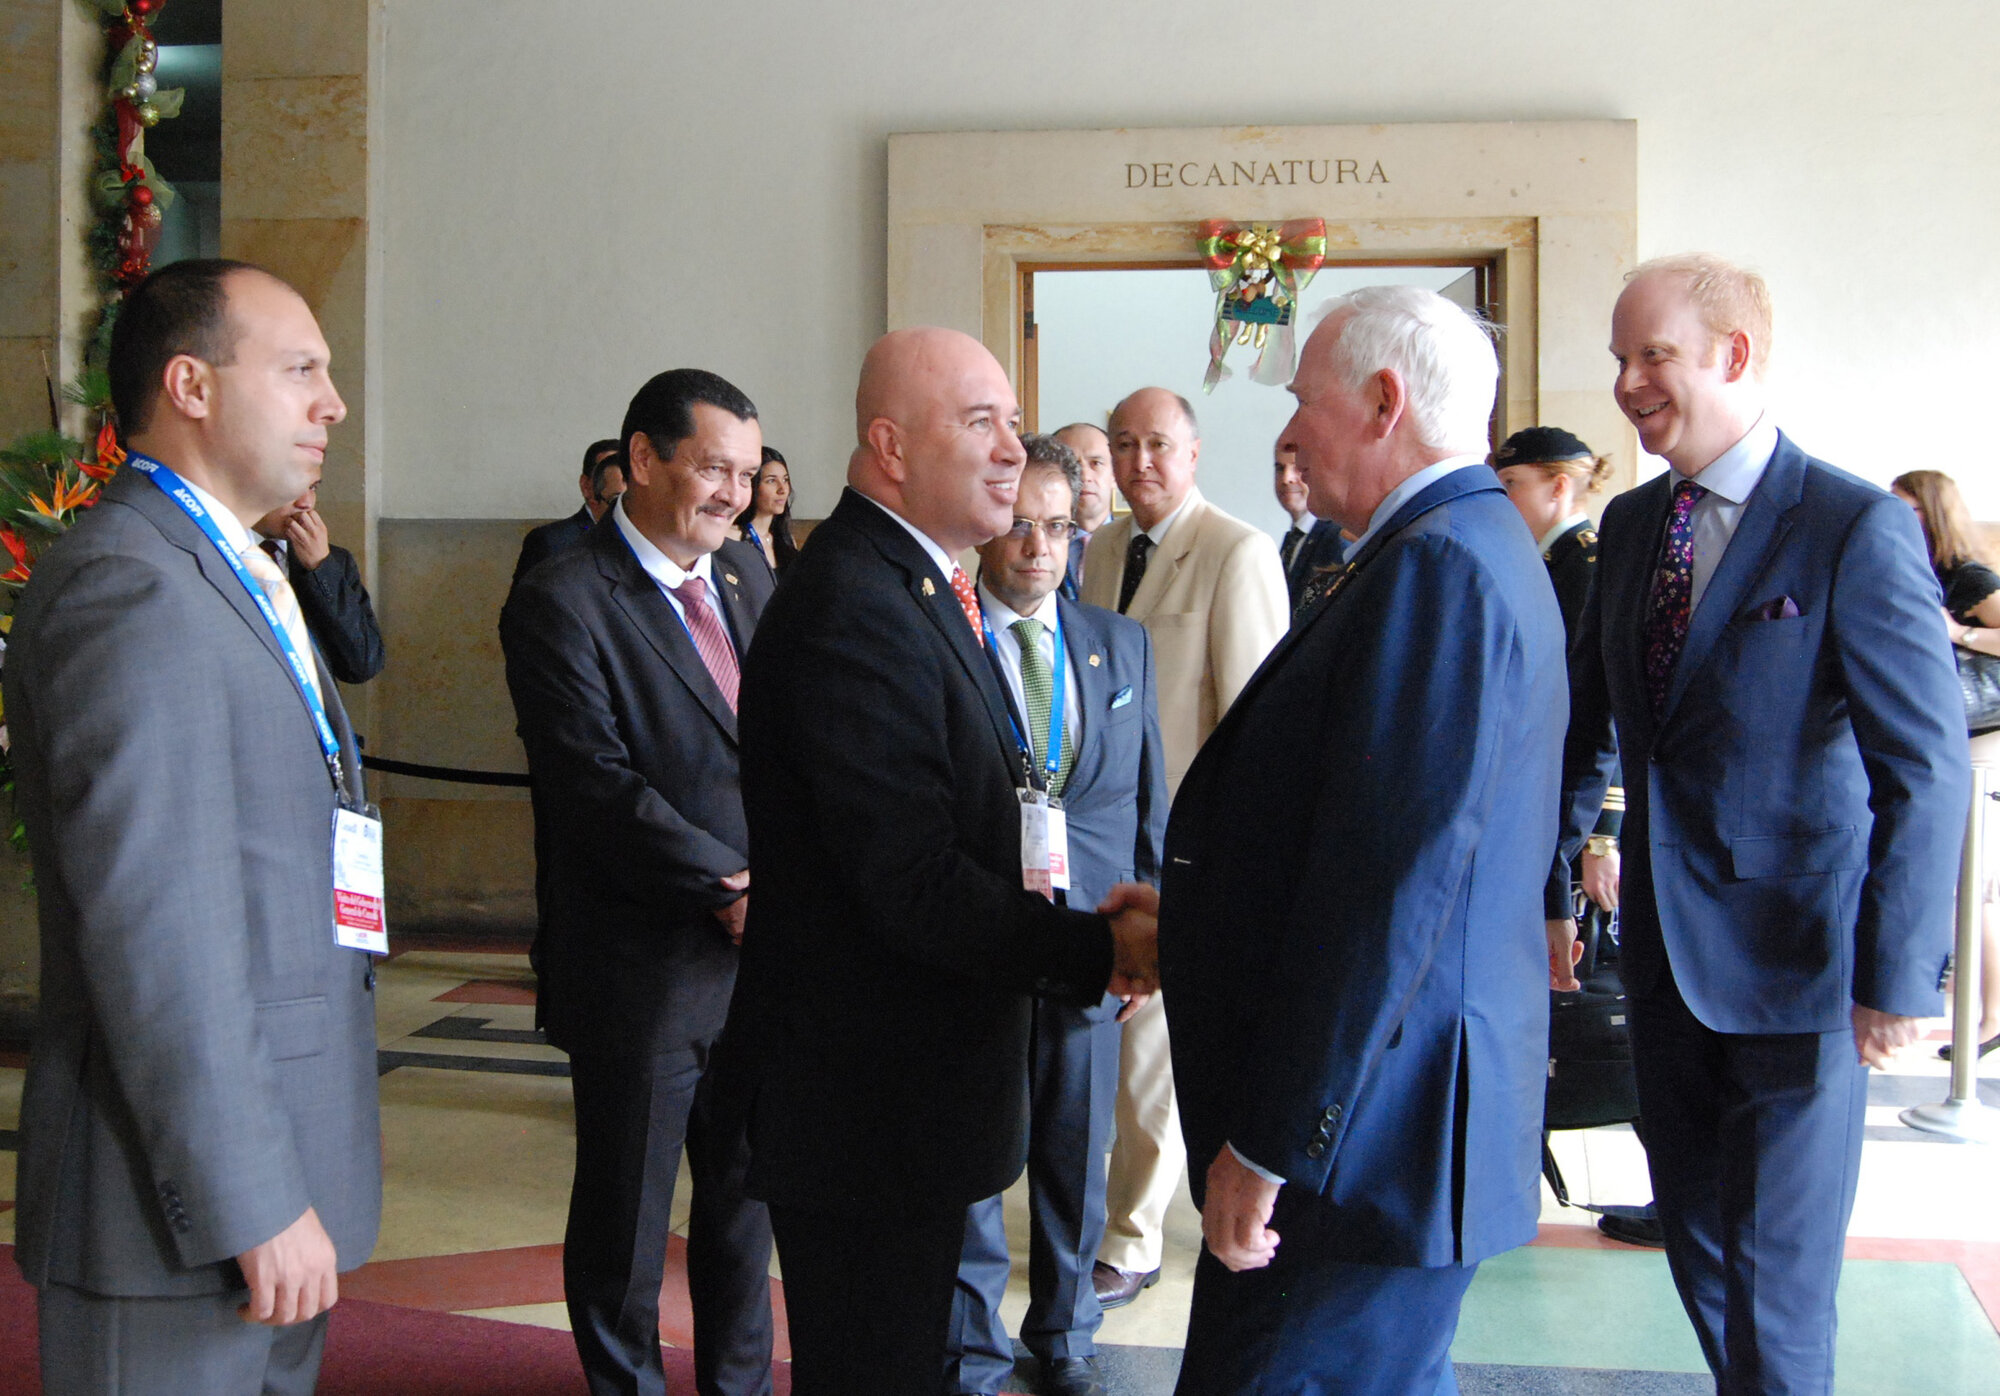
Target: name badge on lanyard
[[358, 923], [357, 827], [1044, 827]]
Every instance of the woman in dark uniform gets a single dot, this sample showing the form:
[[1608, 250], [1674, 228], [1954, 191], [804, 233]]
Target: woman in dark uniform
[[1548, 474]]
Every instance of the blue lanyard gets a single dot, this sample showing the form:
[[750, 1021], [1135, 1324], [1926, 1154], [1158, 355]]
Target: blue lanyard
[[177, 490], [1053, 757]]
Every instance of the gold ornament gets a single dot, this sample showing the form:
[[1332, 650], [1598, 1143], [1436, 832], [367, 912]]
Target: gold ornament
[[148, 114]]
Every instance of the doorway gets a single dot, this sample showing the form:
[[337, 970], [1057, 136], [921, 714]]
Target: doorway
[[1093, 332]]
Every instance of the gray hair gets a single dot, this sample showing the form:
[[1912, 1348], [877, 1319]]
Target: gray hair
[[1443, 354], [1050, 454]]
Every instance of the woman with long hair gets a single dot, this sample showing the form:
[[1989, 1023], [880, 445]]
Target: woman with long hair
[[768, 521], [1964, 564]]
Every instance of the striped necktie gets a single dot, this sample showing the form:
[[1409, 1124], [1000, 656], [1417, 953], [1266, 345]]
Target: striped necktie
[[264, 568], [1039, 690], [710, 640]]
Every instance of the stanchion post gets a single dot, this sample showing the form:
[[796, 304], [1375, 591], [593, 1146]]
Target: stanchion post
[[1960, 1115]]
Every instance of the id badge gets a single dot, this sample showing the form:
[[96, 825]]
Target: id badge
[[1058, 847], [1035, 841], [357, 881]]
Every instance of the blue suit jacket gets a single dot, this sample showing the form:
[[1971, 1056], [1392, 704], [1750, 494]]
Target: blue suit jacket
[[1351, 928], [1115, 799], [1793, 820]]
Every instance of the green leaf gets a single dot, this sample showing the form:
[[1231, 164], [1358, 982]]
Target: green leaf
[[45, 449], [168, 100], [113, 9], [91, 388]]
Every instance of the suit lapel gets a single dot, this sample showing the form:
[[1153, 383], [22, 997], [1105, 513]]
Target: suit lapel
[[932, 594], [1765, 522], [1166, 558], [1083, 641], [735, 606], [639, 597], [134, 488]]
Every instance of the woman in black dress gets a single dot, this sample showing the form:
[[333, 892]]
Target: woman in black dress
[[1964, 566]]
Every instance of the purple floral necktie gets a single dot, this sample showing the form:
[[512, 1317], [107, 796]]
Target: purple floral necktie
[[1672, 598]]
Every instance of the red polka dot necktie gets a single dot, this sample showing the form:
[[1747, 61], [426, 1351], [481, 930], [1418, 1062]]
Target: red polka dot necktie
[[1672, 600], [968, 601]]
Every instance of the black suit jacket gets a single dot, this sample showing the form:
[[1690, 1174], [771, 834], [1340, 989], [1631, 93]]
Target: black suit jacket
[[338, 614], [891, 951], [544, 541], [633, 752]]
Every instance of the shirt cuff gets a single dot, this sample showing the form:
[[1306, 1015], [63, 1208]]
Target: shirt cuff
[[1266, 1174]]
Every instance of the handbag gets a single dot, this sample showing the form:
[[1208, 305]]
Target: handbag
[[1979, 679]]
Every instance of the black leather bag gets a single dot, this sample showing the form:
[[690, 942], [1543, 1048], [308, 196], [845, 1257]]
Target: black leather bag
[[1979, 679]]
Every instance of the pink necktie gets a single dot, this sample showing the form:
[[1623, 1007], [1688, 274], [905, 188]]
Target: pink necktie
[[709, 638]]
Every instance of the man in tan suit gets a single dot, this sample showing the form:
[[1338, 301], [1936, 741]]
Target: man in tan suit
[[1211, 592]]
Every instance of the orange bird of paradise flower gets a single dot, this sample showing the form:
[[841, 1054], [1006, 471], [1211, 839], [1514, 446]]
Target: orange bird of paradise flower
[[109, 455], [66, 498], [13, 543]]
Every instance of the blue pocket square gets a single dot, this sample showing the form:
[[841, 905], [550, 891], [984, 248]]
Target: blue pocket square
[[1783, 608], [1122, 696]]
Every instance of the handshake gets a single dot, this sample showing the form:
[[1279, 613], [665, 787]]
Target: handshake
[[1134, 910]]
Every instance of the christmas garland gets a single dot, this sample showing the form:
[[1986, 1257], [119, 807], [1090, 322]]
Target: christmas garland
[[48, 478]]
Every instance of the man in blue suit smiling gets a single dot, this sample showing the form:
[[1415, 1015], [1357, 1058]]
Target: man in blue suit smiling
[[1765, 632], [1351, 899]]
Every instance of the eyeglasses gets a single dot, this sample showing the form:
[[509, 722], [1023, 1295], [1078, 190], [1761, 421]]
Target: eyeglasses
[[1055, 530]]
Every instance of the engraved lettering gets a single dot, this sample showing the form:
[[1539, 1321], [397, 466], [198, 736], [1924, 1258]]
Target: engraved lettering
[[1376, 176], [1135, 176], [1344, 169], [1163, 176]]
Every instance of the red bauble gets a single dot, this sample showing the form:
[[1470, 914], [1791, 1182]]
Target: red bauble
[[142, 196], [144, 7]]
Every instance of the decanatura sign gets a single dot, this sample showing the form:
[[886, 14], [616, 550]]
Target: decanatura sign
[[1236, 174]]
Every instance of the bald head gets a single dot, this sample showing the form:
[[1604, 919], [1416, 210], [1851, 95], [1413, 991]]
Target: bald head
[[935, 425]]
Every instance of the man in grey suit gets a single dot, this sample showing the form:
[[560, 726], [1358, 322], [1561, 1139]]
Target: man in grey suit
[[199, 1151]]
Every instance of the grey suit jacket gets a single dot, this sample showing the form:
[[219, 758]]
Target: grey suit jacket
[[203, 1068]]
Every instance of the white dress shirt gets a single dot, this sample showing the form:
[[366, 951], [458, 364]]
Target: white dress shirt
[[1007, 650], [667, 573], [233, 530], [1729, 480], [1408, 490], [1158, 532], [944, 560]]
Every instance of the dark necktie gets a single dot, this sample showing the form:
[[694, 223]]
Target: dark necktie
[[1671, 601], [709, 638], [1136, 553], [1289, 549]]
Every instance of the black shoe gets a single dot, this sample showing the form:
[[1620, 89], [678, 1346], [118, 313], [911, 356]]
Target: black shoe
[[1990, 1044], [1635, 1226], [1117, 1288], [1072, 1376]]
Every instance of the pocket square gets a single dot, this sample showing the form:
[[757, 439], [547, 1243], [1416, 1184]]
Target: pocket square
[[1782, 608], [1122, 696]]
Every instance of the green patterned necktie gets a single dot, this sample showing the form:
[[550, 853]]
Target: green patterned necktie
[[1036, 685]]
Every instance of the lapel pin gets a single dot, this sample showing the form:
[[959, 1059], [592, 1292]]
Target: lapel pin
[[729, 577], [1094, 661], [929, 590]]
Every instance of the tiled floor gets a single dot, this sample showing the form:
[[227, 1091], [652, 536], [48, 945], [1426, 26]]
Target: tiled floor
[[476, 1118]]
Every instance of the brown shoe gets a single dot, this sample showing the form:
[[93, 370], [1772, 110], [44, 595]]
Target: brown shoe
[[1116, 1288]]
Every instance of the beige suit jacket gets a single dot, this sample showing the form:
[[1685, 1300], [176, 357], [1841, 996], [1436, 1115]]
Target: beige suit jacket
[[1213, 600]]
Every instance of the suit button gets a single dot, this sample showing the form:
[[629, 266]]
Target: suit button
[[1316, 1149], [1332, 1114]]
